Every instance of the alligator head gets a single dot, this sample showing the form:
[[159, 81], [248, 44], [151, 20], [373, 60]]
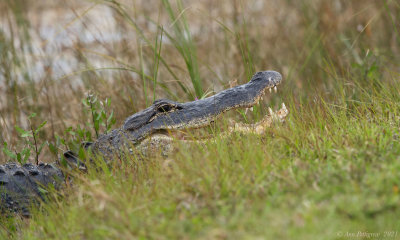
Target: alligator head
[[166, 114]]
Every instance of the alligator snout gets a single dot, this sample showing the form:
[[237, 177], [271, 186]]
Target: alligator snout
[[272, 78]]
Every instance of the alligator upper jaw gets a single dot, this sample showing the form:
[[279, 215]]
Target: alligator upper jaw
[[167, 114], [202, 112]]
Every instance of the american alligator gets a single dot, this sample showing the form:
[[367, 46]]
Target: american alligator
[[145, 130]]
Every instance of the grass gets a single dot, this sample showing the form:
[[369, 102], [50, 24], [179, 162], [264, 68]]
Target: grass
[[331, 171]]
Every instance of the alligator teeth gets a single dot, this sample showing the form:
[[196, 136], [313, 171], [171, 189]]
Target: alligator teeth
[[275, 89], [284, 106], [270, 111], [247, 109]]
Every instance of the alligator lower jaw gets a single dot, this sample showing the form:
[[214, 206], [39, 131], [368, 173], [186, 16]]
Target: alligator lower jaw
[[162, 141]]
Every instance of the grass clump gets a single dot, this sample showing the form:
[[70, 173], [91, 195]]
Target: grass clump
[[297, 181]]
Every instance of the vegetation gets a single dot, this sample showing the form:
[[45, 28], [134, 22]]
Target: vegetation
[[331, 171]]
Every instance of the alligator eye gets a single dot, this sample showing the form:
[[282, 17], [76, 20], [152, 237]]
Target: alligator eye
[[165, 108]]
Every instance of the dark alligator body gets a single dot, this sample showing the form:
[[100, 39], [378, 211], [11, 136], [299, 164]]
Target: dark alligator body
[[20, 186]]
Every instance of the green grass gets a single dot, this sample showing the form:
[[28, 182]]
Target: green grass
[[330, 171]]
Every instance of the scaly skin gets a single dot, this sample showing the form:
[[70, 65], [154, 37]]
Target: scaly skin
[[20, 186]]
